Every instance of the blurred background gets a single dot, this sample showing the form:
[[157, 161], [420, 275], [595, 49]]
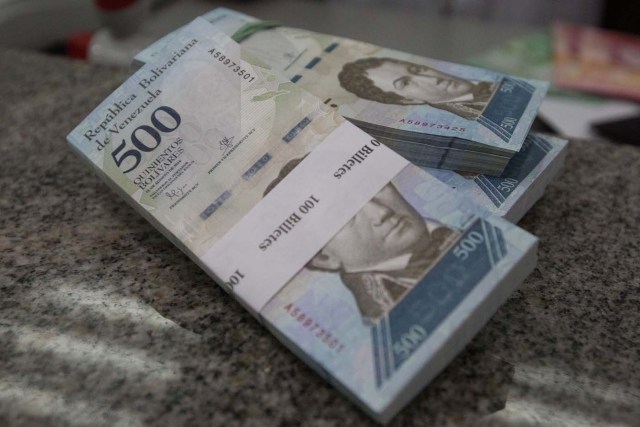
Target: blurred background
[[518, 37], [42, 24]]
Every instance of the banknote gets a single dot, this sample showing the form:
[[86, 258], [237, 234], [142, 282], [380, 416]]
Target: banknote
[[508, 192], [378, 324], [374, 272], [395, 95], [522, 183], [246, 119]]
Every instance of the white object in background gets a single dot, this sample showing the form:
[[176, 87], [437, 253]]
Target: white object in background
[[123, 17], [573, 118], [107, 49], [122, 37]]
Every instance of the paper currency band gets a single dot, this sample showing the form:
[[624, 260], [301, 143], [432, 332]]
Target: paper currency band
[[260, 254]]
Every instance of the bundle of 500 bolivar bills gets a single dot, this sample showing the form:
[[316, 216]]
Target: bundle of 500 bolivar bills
[[374, 272]]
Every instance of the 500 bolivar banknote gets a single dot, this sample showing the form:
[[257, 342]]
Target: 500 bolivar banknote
[[431, 108], [374, 272]]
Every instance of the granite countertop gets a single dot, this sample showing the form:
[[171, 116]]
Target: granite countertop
[[104, 322]]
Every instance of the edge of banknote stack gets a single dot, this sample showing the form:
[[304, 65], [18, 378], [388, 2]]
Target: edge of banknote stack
[[521, 185], [373, 272]]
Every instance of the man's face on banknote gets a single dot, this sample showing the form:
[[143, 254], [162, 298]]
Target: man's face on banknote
[[385, 228], [418, 84]]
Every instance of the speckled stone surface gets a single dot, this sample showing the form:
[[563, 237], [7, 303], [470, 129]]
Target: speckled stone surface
[[104, 322]]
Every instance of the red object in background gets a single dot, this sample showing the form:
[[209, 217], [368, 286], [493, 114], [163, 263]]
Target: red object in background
[[78, 44], [117, 41], [110, 5], [596, 60]]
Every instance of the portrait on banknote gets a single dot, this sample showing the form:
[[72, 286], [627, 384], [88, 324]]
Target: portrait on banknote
[[394, 81], [383, 252]]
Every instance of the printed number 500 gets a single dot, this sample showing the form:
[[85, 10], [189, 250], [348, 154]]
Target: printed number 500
[[468, 244], [409, 341], [146, 138]]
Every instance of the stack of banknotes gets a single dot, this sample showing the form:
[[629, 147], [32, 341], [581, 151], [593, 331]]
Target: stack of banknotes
[[510, 194], [373, 271], [434, 113]]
